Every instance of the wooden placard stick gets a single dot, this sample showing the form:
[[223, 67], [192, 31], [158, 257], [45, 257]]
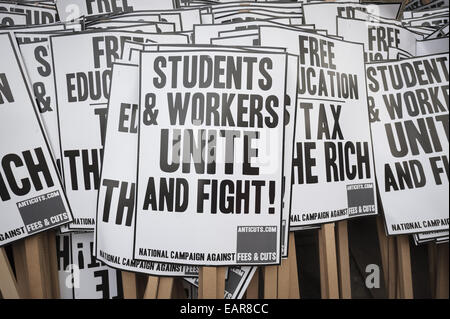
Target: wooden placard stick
[[404, 267], [345, 287], [52, 260], [392, 268], [20, 265], [442, 272], [8, 284], [383, 241], [288, 285], [151, 292], [271, 282], [32, 264], [253, 287], [432, 267], [129, 284], [294, 288], [54, 264], [284, 273], [329, 277], [211, 284]]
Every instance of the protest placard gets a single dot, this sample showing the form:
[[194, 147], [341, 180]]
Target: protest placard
[[116, 198], [81, 275], [213, 171], [314, 12], [333, 149], [82, 91], [38, 64], [408, 104], [378, 37], [72, 9]]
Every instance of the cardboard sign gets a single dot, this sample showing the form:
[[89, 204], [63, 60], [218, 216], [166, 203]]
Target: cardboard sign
[[81, 275], [8, 19], [132, 50], [31, 196], [188, 17], [82, 90], [206, 177], [117, 193], [430, 237], [377, 37], [72, 9], [315, 13], [417, 5], [333, 149], [408, 103], [432, 46], [205, 32], [434, 21]]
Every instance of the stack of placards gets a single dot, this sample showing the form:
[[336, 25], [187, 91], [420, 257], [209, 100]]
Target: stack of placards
[[164, 136]]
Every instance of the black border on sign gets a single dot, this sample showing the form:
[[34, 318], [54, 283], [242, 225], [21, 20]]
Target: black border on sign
[[244, 280], [58, 182], [279, 257]]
